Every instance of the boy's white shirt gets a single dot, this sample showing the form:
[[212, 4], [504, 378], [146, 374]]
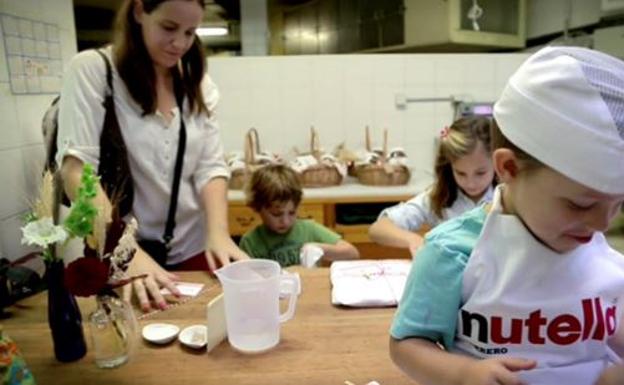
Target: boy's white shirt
[[414, 213], [512, 275]]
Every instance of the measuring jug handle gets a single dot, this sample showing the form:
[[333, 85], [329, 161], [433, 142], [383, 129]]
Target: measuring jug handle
[[292, 298]]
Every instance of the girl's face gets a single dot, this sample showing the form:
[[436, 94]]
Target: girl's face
[[169, 30], [474, 172], [560, 212], [279, 217]]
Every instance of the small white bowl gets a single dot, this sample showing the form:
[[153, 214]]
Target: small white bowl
[[194, 336], [160, 333]]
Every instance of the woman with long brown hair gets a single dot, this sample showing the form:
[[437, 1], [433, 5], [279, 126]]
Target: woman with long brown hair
[[164, 113]]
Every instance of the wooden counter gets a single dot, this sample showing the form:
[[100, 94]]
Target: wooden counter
[[352, 192], [322, 344]]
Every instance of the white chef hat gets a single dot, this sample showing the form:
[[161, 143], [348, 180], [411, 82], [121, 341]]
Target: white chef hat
[[565, 107]]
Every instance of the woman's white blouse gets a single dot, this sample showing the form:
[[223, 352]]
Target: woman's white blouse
[[414, 213], [152, 148]]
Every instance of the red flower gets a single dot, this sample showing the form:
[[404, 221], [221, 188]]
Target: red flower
[[86, 276]]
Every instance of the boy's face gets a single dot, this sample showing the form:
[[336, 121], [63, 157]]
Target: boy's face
[[560, 212], [279, 217]]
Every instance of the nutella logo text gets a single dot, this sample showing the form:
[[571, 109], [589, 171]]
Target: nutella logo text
[[563, 329]]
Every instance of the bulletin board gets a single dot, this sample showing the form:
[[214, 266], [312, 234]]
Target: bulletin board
[[33, 55]]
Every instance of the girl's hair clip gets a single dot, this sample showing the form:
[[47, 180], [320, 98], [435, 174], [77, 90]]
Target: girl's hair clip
[[444, 132]]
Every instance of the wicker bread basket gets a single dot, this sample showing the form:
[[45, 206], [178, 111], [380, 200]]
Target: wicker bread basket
[[252, 149], [354, 167], [321, 174], [382, 173]]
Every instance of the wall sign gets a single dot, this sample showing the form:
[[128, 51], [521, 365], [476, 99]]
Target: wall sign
[[33, 55]]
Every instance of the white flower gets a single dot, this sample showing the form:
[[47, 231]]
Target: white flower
[[43, 232]]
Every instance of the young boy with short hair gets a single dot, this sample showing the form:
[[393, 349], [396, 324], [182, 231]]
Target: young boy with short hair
[[274, 192], [527, 290]]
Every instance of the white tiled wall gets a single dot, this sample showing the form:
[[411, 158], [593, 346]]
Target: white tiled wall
[[282, 96], [21, 143]]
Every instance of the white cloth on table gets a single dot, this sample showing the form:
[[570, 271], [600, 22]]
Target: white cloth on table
[[370, 283]]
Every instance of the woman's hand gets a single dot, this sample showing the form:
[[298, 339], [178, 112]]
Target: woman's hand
[[221, 248], [496, 371], [157, 277]]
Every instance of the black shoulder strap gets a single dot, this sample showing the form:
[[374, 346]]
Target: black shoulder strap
[[177, 171], [114, 168], [175, 188], [52, 147]]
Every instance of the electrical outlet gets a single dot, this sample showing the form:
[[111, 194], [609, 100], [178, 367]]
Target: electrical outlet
[[400, 101]]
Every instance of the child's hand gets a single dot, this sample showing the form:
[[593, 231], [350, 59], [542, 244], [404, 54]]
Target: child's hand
[[414, 244], [496, 371], [613, 375]]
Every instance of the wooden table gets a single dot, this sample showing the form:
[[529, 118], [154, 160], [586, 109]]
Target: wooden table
[[322, 344]]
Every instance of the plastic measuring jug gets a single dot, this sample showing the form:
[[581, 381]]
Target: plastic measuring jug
[[251, 290]]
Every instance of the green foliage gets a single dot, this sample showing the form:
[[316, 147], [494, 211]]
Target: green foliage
[[29, 217], [79, 222]]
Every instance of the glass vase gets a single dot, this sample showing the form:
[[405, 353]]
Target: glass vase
[[63, 316], [113, 331]]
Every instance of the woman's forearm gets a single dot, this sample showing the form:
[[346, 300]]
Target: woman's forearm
[[214, 197]]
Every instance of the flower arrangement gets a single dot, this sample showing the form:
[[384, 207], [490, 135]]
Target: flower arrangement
[[109, 243], [109, 246], [41, 230]]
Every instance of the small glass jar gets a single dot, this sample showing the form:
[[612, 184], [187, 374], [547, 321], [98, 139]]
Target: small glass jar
[[113, 331]]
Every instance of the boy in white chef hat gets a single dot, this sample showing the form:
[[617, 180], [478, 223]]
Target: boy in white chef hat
[[527, 290]]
